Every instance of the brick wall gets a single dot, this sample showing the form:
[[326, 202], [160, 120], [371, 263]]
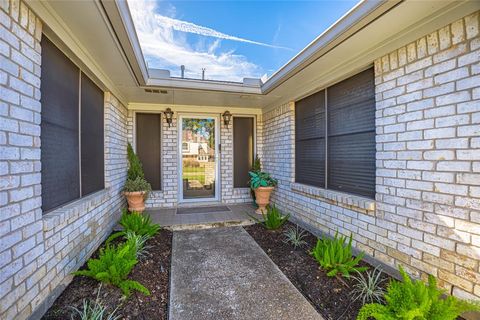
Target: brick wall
[[427, 210], [38, 252]]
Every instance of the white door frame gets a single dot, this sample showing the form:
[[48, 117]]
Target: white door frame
[[216, 117]]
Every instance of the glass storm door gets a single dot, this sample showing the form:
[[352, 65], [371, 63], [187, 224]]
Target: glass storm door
[[198, 157]]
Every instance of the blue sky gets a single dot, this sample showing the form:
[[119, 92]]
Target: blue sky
[[231, 39]]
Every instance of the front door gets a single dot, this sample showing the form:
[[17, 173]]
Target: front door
[[198, 138]]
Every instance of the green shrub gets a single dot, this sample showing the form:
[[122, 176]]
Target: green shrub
[[273, 219], [113, 266], [261, 179], [412, 300], [135, 169], [295, 236], [137, 223], [335, 256], [257, 165], [368, 287], [137, 184]]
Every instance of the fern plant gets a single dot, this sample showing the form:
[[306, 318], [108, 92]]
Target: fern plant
[[368, 287], [273, 219], [137, 223], [412, 300], [113, 266], [295, 236], [335, 256]]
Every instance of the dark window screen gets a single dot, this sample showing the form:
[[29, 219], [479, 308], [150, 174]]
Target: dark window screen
[[310, 140], [242, 150], [351, 135], [59, 128], [92, 137], [149, 147]]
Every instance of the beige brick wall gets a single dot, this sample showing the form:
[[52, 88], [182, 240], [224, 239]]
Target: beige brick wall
[[39, 251], [427, 214]]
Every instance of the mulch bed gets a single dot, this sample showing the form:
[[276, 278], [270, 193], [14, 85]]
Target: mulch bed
[[152, 271], [329, 295]]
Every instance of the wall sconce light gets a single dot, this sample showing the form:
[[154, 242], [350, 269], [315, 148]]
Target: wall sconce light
[[168, 116], [227, 116]]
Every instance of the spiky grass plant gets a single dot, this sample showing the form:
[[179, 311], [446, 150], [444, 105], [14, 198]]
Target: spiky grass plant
[[139, 242], [295, 236], [93, 310], [368, 286]]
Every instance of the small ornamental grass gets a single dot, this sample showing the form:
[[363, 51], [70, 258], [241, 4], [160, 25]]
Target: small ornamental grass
[[137, 223], [93, 310], [113, 266], [335, 256], [273, 219], [368, 286], [411, 300], [295, 236], [139, 242]]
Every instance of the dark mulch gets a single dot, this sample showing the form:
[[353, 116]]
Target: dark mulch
[[330, 296], [152, 271]]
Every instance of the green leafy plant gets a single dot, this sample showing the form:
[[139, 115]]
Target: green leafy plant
[[335, 256], [135, 169], [93, 310], [136, 223], [368, 287], [295, 236], [113, 266], [273, 219], [415, 300], [261, 179], [137, 184], [139, 242]]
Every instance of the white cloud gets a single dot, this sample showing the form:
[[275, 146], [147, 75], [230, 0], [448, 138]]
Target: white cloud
[[164, 44]]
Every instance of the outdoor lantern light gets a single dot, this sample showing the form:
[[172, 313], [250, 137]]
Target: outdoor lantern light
[[227, 116], [168, 115]]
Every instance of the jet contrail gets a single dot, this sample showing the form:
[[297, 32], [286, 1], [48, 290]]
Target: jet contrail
[[189, 27]]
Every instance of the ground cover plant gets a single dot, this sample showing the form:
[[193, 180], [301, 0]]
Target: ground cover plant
[[135, 222], [336, 257], [295, 236], [368, 286], [113, 266], [152, 271], [273, 219], [413, 299]]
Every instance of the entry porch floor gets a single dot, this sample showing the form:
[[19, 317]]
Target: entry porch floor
[[203, 216]]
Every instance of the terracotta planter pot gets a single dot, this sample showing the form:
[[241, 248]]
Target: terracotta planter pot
[[136, 200], [262, 198]]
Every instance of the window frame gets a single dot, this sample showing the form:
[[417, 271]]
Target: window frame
[[81, 72], [326, 137]]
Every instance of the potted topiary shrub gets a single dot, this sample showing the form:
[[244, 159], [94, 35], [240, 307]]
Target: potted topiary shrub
[[263, 185], [136, 188]]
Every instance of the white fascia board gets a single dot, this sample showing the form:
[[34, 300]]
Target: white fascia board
[[160, 107], [208, 85]]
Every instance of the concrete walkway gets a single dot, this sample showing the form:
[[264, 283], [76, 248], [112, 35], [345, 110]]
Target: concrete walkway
[[222, 273]]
